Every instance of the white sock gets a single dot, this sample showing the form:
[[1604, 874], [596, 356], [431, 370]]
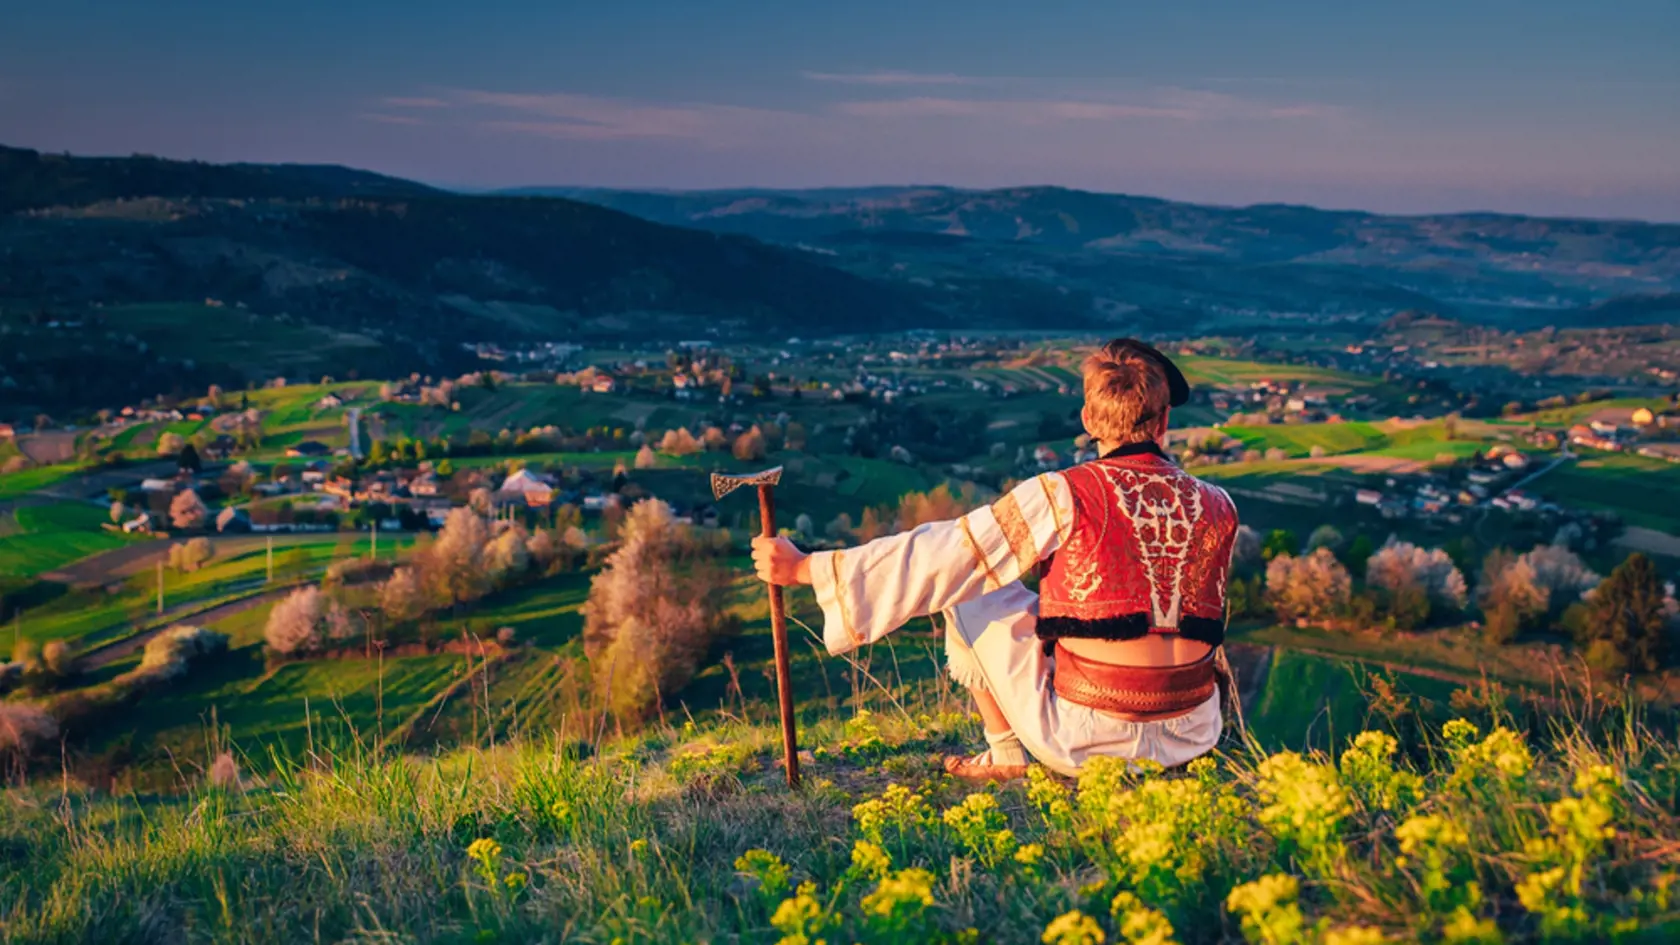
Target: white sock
[[1006, 748]]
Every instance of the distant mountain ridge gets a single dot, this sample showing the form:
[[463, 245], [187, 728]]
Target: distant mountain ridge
[[1479, 265]]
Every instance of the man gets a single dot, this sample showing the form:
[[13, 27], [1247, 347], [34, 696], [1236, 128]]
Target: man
[[1116, 654]]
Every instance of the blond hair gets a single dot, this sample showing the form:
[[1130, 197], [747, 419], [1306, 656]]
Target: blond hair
[[1126, 394]]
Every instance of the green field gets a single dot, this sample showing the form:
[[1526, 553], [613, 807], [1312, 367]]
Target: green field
[[1298, 439], [43, 537], [1224, 372], [1642, 491], [1580, 413], [25, 481]]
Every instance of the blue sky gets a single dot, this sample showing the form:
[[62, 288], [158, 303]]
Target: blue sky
[[1539, 106]]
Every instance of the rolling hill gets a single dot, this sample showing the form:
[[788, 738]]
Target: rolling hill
[[386, 273], [1141, 256]]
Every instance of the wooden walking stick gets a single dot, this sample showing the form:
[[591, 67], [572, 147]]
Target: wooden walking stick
[[722, 485]]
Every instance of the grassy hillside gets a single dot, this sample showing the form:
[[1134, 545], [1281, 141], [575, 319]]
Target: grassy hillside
[[1496, 830]]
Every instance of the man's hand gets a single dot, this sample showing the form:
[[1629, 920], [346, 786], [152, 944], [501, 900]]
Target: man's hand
[[777, 561]]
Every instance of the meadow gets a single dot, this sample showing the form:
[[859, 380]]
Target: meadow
[[1641, 490], [1501, 826], [40, 538]]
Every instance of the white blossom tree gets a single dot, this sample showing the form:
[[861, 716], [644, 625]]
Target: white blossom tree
[[187, 510], [1310, 587]]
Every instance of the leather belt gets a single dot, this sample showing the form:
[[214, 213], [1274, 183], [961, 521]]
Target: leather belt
[[1136, 693]]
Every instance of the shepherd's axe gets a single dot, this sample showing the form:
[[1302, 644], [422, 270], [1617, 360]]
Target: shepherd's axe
[[722, 485]]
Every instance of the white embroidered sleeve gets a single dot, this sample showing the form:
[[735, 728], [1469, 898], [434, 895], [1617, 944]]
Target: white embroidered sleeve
[[871, 590]]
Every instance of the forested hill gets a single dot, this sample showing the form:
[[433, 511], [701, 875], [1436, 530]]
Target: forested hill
[[32, 179], [405, 271]]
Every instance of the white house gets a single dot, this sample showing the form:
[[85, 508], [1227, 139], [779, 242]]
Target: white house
[[528, 486]]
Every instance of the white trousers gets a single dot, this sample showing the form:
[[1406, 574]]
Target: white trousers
[[991, 644]]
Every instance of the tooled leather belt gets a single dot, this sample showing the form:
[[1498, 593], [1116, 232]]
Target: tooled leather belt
[[1137, 693]]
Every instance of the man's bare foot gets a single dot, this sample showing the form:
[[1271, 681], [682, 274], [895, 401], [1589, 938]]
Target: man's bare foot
[[981, 768]]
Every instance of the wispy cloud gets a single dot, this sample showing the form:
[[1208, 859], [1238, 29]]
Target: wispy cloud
[[398, 101], [1159, 104], [595, 118], [388, 119], [890, 77], [574, 116], [1019, 110]]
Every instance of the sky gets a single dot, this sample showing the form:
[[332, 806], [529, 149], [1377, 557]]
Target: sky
[[1558, 107]]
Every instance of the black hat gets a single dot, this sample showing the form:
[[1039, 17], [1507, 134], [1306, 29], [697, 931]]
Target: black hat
[[1178, 389]]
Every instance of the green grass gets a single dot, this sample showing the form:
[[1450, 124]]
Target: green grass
[[1226, 372], [25, 481], [646, 837], [1313, 701], [1580, 413], [47, 536], [1298, 439], [1641, 490]]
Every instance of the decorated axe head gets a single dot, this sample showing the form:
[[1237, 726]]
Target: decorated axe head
[[722, 485]]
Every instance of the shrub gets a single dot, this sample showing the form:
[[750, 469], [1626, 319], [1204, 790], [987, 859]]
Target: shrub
[[1414, 581], [58, 658], [303, 621], [938, 504], [187, 510], [22, 728], [1311, 587], [192, 554], [167, 655], [652, 612], [1628, 612], [679, 442], [506, 557], [750, 446], [400, 597]]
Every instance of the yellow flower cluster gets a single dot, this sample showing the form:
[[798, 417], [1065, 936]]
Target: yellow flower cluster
[[899, 900], [897, 809], [982, 829], [1578, 829], [767, 868], [1074, 928], [1268, 911], [484, 850], [1499, 757], [1304, 804], [1367, 769], [870, 861], [1138, 924], [801, 919], [1050, 796]]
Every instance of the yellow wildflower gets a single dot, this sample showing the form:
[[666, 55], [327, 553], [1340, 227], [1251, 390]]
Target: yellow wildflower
[[1073, 928]]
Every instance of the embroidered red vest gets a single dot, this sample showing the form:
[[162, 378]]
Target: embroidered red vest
[[1149, 551]]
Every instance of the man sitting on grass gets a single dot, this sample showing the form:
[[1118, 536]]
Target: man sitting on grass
[[1117, 652]]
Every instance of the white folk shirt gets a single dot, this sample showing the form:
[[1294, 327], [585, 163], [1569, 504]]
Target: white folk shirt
[[969, 570]]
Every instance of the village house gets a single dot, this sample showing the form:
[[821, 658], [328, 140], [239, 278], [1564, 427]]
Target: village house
[[526, 487]]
